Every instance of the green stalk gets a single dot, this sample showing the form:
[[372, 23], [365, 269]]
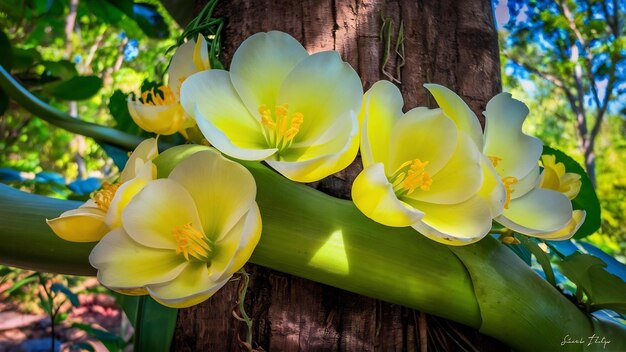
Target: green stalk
[[61, 119], [312, 235]]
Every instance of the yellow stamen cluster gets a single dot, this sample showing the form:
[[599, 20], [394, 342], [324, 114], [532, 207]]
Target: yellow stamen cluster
[[165, 97], [104, 196], [190, 241], [410, 176], [495, 160], [508, 182], [279, 129]]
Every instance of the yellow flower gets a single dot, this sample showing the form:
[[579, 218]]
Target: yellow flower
[[159, 110], [92, 220], [183, 237], [533, 207], [423, 169], [554, 177], [280, 104]]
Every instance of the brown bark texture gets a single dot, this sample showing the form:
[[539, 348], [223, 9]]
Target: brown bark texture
[[449, 42]]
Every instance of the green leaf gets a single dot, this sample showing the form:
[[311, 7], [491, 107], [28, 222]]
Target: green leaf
[[59, 287], [25, 58], [154, 323], [4, 102], [45, 304], [155, 326], [586, 199], [30, 278], [62, 69], [6, 59], [603, 289], [76, 88], [111, 341], [541, 256], [118, 107]]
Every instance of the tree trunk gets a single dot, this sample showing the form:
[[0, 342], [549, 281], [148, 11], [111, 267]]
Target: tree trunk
[[450, 42]]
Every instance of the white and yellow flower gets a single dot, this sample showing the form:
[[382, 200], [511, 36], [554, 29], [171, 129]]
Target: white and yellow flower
[[159, 110], [92, 220], [423, 169], [537, 203], [280, 104], [183, 237]]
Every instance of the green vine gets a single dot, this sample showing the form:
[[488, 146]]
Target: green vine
[[387, 30]]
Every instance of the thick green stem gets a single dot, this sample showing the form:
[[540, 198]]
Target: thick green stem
[[309, 234], [61, 119]]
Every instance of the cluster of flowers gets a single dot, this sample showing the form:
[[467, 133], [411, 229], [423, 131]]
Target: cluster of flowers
[[181, 238]]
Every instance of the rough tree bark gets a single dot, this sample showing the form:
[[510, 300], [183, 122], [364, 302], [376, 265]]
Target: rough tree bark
[[448, 42]]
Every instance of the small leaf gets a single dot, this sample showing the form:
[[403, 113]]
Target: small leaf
[[58, 287], [111, 341], [4, 102], [76, 88], [586, 199], [30, 278], [25, 58], [45, 304], [603, 289], [541, 256], [6, 59], [62, 69], [118, 107], [154, 324]]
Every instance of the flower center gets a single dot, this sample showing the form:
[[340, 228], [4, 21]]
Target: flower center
[[162, 96], [104, 196], [190, 241], [508, 182], [279, 128], [409, 176]]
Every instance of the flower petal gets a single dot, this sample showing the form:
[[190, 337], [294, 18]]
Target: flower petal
[[124, 263], [319, 161], [191, 287], [518, 153], [126, 192], [323, 88], [456, 109], [260, 65], [459, 179], [236, 247], [454, 224], [184, 63], [211, 99], [538, 211], [425, 134], [159, 119], [145, 151], [374, 196], [382, 108], [492, 190], [567, 231], [526, 184], [223, 190], [154, 212], [84, 224]]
